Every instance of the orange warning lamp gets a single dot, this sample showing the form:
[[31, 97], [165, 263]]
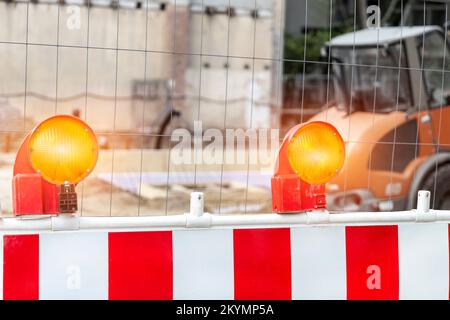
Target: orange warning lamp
[[310, 155], [63, 149], [59, 153]]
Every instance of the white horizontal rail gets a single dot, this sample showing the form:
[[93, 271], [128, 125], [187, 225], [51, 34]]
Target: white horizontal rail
[[196, 218], [58, 223]]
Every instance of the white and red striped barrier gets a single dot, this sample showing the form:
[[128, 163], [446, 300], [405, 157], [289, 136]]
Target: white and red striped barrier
[[394, 261]]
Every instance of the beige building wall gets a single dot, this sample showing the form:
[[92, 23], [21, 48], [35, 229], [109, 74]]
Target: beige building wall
[[51, 75], [58, 73]]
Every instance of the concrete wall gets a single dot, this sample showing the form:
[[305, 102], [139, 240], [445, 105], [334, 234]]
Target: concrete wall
[[234, 88], [70, 69], [49, 74]]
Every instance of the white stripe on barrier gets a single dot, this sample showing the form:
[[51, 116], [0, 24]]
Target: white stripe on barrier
[[203, 264], [424, 261], [318, 263], [73, 265], [1, 266]]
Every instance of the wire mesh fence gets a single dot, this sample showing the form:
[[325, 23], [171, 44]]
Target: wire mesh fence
[[233, 76]]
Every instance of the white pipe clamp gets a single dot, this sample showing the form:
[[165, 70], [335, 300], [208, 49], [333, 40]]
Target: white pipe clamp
[[197, 204], [423, 201]]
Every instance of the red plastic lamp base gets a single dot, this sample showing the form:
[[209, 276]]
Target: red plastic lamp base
[[291, 194], [34, 196]]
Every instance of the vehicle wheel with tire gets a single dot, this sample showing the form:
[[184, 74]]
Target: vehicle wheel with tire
[[438, 183]]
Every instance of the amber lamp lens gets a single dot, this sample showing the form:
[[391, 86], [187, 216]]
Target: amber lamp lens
[[63, 149], [316, 152]]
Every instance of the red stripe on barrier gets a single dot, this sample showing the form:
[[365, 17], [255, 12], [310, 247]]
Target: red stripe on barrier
[[140, 265], [372, 262], [21, 267], [262, 264]]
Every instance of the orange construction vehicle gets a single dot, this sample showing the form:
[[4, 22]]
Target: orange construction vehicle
[[392, 107]]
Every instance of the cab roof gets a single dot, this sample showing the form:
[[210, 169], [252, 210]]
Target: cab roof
[[383, 35]]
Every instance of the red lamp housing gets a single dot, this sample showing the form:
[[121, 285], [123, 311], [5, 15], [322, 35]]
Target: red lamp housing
[[31, 194], [56, 155], [310, 155]]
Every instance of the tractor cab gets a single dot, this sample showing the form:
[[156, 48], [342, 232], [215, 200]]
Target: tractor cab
[[379, 70], [391, 98]]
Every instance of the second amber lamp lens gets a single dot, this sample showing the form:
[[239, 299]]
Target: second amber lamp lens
[[63, 149], [316, 152]]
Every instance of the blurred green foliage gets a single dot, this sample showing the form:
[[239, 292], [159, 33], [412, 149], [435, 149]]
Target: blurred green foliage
[[312, 41], [294, 49]]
